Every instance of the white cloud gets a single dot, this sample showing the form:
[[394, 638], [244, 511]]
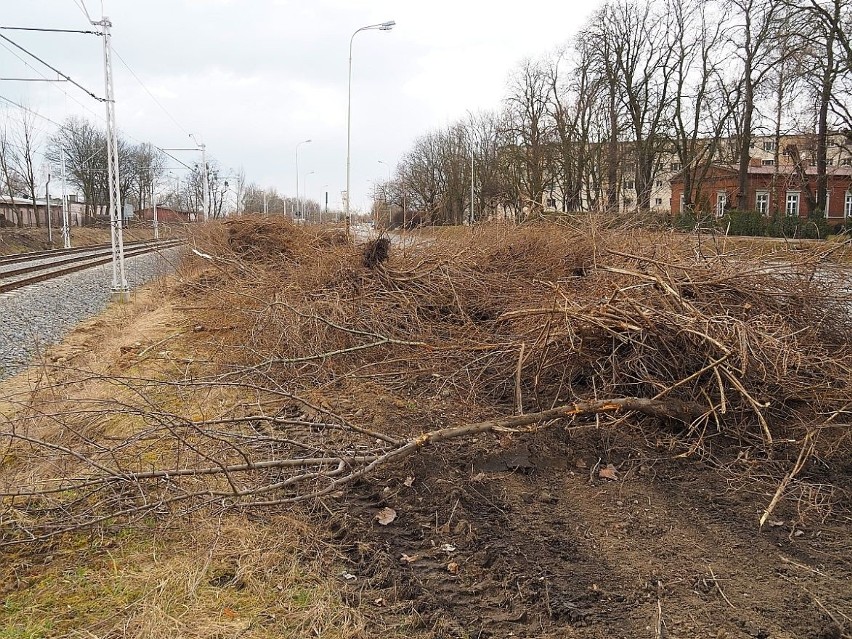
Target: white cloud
[[254, 77]]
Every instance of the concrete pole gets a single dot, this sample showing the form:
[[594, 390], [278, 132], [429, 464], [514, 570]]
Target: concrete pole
[[119, 277], [47, 204], [383, 26], [472, 217], [154, 205], [66, 223], [205, 189]]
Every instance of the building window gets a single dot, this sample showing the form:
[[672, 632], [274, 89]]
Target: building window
[[762, 202], [658, 201], [847, 204], [830, 162], [659, 183], [681, 202], [721, 203], [792, 208], [675, 166], [628, 185], [846, 162], [769, 146], [551, 202], [768, 162]]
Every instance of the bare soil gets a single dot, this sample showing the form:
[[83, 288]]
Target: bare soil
[[528, 540]]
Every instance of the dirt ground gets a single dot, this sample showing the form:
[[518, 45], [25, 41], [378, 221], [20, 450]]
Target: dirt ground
[[530, 541]]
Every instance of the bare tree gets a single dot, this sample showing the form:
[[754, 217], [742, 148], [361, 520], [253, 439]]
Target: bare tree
[[530, 128], [825, 64], [240, 188], [574, 97], [755, 29], [25, 146], [701, 112], [10, 182]]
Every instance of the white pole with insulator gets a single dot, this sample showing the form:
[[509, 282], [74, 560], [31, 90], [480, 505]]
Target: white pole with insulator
[[205, 190], [47, 204], [66, 230], [154, 205], [119, 277]]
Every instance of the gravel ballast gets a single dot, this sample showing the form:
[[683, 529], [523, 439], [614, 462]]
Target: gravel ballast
[[37, 316]]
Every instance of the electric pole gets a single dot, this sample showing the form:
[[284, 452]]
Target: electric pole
[[66, 230], [205, 191], [119, 277], [154, 206]]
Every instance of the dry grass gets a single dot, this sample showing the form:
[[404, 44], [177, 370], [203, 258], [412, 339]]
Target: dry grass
[[203, 575], [13, 240], [232, 576]]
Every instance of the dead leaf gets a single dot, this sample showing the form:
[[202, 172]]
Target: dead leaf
[[230, 613], [453, 568], [386, 516], [379, 602], [478, 478], [409, 559], [448, 548], [608, 472], [408, 481]]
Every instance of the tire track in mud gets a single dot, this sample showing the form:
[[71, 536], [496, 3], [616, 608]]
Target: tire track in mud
[[541, 552]]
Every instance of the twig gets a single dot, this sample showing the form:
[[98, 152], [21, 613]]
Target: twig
[[719, 586], [807, 448], [519, 400]]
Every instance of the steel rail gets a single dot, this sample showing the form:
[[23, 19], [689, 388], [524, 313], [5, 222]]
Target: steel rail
[[14, 258], [44, 272]]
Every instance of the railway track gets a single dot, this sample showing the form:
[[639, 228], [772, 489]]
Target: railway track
[[24, 269]]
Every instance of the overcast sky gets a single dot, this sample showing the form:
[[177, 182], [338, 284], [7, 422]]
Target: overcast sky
[[251, 78]]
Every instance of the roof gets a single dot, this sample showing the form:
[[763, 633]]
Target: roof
[[809, 170], [782, 169], [23, 201], [165, 208]]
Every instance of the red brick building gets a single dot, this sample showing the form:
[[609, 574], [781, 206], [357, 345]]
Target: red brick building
[[771, 192], [166, 215]]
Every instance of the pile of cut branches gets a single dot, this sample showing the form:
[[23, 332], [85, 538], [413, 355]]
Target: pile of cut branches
[[518, 328]]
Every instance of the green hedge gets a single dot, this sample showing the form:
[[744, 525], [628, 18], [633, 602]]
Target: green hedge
[[752, 223]]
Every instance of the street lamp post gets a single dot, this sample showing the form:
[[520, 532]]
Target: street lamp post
[[387, 199], [304, 201], [382, 26], [297, 170]]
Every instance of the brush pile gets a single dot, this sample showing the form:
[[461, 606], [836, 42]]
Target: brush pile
[[493, 330]]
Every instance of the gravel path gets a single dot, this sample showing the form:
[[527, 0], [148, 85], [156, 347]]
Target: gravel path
[[34, 317]]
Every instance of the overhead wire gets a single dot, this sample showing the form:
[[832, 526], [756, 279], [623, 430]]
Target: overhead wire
[[28, 110], [52, 68], [61, 90], [152, 96], [7, 28], [82, 7]]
